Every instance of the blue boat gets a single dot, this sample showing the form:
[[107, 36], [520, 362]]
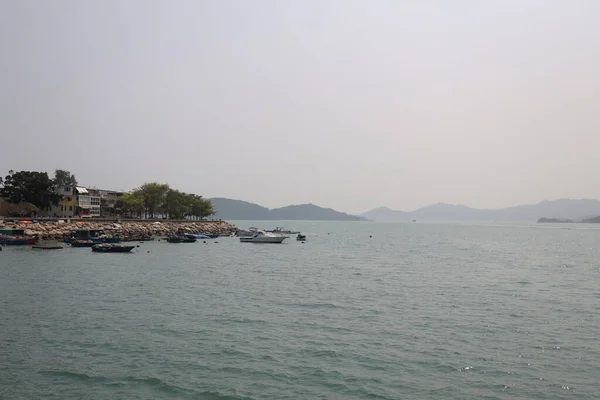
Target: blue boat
[[12, 240], [197, 236]]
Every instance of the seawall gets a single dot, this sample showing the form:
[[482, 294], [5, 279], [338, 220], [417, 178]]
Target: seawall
[[53, 229]]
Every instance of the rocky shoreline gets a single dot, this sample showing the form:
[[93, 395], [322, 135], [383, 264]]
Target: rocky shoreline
[[55, 230]]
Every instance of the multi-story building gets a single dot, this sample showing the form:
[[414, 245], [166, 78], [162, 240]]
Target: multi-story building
[[108, 199], [81, 202]]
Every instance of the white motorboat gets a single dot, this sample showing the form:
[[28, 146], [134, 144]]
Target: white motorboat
[[263, 237]]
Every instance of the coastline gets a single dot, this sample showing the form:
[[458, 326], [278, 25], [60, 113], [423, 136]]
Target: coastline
[[53, 229]]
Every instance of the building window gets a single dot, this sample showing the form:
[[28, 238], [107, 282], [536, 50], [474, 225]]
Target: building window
[[70, 208], [68, 199], [61, 208]]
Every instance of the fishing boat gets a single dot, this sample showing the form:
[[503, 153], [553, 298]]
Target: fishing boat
[[263, 237], [111, 248]]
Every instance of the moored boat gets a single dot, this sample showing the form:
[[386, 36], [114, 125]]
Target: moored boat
[[263, 237], [181, 239], [281, 231], [111, 248], [16, 240]]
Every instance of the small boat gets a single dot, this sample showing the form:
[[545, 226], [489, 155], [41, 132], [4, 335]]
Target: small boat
[[111, 248], [282, 231], [301, 237], [263, 237], [181, 239], [16, 240], [83, 243]]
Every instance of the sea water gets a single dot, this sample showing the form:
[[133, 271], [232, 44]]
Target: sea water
[[358, 311]]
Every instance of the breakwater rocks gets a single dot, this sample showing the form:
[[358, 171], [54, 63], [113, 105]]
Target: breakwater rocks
[[55, 230]]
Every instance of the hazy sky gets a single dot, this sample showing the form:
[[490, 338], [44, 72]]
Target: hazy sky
[[345, 104]]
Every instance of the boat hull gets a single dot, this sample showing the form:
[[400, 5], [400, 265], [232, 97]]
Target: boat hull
[[263, 239], [112, 249]]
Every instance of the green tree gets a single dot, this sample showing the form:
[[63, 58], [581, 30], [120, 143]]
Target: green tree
[[130, 203], [64, 178], [154, 195], [29, 187], [201, 208], [177, 204]]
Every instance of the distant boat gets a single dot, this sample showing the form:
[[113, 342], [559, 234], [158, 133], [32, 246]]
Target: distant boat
[[281, 231], [111, 248], [301, 237], [263, 237]]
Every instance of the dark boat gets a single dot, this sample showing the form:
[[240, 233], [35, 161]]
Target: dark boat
[[301, 237], [83, 243], [181, 239], [111, 248]]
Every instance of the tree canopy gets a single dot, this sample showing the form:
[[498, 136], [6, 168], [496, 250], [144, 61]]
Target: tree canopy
[[64, 178], [154, 199], [29, 187]]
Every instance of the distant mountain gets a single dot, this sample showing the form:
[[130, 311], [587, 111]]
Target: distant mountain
[[386, 214], [560, 209], [312, 212], [229, 209]]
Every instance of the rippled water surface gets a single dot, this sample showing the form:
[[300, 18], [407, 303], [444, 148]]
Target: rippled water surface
[[421, 311]]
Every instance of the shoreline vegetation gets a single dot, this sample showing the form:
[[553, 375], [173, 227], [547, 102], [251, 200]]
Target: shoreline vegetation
[[33, 193]]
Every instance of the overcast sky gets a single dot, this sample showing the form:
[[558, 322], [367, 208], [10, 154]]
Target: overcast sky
[[342, 103]]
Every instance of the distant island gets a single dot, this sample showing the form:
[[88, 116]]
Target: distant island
[[563, 210], [232, 210], [592, 220]]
